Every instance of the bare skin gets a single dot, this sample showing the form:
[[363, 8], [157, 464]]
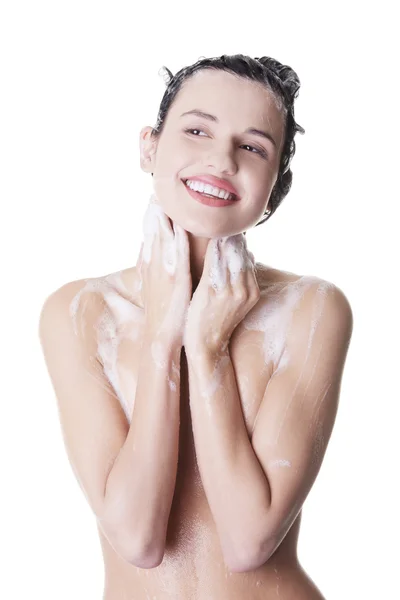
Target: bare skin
[[192, 564], [196, 420]]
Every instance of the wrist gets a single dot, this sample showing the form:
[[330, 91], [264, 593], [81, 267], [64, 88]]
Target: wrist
[[202, 352], [166, 341]]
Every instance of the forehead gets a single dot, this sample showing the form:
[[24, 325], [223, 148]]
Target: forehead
[[231, 98]]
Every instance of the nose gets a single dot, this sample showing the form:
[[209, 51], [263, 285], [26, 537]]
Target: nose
[[221, 158]]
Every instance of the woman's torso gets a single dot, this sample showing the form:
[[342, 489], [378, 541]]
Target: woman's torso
[[193, 565]]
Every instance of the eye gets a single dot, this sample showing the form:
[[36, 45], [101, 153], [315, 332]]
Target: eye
[[256, 150], [191, 130]]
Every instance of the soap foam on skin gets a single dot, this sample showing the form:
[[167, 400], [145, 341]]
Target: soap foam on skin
[[272, 317], [229, 255], [106, 287], [158, 355], [209, 389], [113, 325], [176, 250], [280, 462], [317, 311], [120, 318], [275, 318], [153, 219]]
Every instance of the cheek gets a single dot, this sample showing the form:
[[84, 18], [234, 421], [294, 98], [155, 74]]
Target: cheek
[[172, 158], [256, 186], [167, 180], [264, 186]]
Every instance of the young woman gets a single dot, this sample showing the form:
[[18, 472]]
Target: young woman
[[198, 389]]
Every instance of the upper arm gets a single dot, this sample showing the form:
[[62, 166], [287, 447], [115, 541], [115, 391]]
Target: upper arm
[[298, 411], [93, 422]]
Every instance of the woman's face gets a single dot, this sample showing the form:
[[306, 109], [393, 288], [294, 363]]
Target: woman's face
[[220, 147]]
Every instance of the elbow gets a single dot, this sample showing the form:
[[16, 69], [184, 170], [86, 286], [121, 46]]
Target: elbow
[[239, 559], [242, 563], [139, 555], [145, 559], [251, 556], [129, 546], [142, 555]]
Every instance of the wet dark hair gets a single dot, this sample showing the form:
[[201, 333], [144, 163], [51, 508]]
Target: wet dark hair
[[280, 79]]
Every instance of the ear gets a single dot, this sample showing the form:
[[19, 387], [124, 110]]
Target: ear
[[148, 147]]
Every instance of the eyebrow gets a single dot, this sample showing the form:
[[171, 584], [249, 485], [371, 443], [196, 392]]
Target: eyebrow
[[253, 130]]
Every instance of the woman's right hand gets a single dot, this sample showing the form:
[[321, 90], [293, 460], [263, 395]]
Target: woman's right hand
[[164, 269]]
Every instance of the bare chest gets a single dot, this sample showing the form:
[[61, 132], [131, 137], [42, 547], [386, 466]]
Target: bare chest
[[252, 372], [256, 348]]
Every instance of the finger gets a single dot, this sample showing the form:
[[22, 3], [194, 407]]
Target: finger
[[233, 250], [156, 228], [154, 209], [215, 266], [253, 287], [165, 224], [182, 242]]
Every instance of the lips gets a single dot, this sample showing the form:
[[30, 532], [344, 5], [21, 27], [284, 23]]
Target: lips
[[216, 182]]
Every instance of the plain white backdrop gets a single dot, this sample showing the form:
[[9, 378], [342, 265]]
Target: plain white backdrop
[[79, 80]]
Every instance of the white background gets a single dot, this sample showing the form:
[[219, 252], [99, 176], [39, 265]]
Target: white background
[[79, 80]]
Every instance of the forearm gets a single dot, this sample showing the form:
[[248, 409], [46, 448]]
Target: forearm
[[234, 482], [141, 484]]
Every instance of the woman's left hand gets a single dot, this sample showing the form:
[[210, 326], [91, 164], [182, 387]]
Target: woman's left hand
[[227, 291]]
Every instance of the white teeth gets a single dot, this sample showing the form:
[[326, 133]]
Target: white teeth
[[206, 188]]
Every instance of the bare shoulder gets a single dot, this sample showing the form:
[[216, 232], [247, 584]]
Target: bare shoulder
[[312, 324], [93, 302], [308, 286], [293, 305], [72, 307], [77, 335]]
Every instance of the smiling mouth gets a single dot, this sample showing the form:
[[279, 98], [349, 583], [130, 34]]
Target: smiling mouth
[[231, 197]]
